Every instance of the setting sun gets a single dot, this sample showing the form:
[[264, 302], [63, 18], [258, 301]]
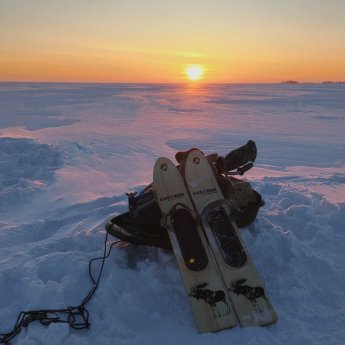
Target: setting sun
[[194, 72], [49, 41]]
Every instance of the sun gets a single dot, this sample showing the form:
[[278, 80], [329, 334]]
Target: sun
[[194, 72]]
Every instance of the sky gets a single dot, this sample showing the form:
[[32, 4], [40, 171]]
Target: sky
[[156, 40]]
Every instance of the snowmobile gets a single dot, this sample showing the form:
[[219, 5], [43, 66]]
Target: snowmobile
[[141, 224]]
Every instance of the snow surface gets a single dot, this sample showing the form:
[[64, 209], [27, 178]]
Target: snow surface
[[68, 154]]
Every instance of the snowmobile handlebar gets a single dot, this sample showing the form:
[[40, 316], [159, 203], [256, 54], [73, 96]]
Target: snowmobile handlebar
[[240, 160]]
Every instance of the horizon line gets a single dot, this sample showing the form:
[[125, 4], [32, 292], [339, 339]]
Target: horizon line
[[284, 82]]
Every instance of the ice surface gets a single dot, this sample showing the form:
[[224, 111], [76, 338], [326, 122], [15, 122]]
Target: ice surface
[[68, 154]]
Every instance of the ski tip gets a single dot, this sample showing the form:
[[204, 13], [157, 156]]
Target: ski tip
[[182, 155], [163, 164], [196, 157]]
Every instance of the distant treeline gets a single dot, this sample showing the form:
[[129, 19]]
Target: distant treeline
[[324, 82]]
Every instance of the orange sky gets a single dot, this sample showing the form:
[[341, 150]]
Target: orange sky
[[153, 41]]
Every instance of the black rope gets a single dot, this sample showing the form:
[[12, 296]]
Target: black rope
[[76, 317]]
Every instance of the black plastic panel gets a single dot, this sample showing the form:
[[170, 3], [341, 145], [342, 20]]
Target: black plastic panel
[[187, 235]]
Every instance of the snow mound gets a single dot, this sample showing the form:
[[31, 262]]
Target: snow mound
[[26, 167]]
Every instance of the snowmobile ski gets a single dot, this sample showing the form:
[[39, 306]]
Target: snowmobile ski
[[248, 296], [207, 294]]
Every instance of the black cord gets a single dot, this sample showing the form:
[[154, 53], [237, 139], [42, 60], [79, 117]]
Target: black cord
[[76, 317]]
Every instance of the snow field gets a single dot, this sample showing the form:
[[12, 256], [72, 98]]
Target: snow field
[[68, 154]]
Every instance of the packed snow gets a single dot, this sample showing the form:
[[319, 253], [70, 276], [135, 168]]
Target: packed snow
[[70, 152]]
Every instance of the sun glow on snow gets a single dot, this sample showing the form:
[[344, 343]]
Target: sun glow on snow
[[194, 72]]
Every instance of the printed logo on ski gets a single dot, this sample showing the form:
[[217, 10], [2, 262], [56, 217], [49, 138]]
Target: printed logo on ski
[[211, 297], [252, 293], [205, 191], [172, 197]]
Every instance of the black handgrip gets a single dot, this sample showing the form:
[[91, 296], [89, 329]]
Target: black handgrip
[[240, 156], [245, 168]]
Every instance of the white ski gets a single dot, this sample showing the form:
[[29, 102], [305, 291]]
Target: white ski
[[207, 294], [248, 295]]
